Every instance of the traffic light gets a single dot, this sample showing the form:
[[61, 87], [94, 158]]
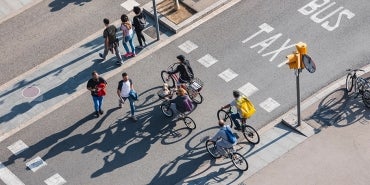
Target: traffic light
[[295, 60]]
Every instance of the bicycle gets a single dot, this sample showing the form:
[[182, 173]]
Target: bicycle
[[361, 85], [249, 132], [192, 88], [237, 159], [168, 112]]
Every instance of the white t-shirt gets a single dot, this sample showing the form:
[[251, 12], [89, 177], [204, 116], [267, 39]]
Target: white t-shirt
[[125, 89]]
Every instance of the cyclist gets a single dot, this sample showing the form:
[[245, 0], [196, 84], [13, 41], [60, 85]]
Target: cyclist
[[178, 104], [184, 69], [237, 115], [221, 139]]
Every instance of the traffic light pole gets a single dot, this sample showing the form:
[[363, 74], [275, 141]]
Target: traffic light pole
[[298, 97]]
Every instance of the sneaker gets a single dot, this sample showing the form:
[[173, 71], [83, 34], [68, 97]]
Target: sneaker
[[133, 54], [127, 55], [101, 56], [96, 114], [134, 118], [237, 128], [101, 112]]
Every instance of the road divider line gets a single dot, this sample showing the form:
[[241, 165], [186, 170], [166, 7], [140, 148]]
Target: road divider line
[[8, 177]]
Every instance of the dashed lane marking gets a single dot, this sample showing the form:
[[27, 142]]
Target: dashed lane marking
[[36, 164], [228, 75], [248, 89], [188, 46], [283, 63], [8, 177], [18, 147], [56, 179], [207, 60], [269, 104], [129, 5]]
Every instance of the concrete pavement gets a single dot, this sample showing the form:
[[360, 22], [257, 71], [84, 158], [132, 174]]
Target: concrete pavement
[[10, 8]]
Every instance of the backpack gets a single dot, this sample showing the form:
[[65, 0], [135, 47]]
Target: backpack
[[141, 21], [188, 104], [246, 107], [230, 136]]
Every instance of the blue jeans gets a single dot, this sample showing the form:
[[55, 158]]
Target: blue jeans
[[235, 118], [130, 40], [132, 104], [98, 101]]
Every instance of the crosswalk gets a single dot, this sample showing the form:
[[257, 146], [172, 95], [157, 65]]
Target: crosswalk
[[34, 165], [248, 89]]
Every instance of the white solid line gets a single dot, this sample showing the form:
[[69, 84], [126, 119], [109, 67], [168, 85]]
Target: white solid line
[[8, 177], [282, 64]]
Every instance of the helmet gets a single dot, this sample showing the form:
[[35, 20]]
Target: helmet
[[181, 58]]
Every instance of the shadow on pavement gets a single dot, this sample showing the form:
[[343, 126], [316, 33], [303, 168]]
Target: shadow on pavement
[[57, 5]]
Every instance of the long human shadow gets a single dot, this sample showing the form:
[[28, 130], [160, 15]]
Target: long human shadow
[[57, 5], [68, 87]]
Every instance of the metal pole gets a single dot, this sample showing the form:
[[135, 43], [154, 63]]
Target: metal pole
[[298, 98], [156, 19]]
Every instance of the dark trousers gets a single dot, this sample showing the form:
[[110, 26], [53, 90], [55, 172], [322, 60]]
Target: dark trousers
[[140, 36]]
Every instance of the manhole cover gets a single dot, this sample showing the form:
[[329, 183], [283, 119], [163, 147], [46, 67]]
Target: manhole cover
[[30, 92]]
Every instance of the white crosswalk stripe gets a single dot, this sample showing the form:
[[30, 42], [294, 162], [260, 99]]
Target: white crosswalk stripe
[[269, 104], [207, 60], [56, 179], [248, 89], [36, 163], [228, 75], [188, 46], [18, 147], [8, 177], [129, 5]]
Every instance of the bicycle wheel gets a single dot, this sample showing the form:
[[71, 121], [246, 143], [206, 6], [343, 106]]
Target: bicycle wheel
[[349, 83], [251, 134], [167, 78], [166, 110], [239, 161], [366, 98], [224, 115], [197, 98], [189, 122], [211, 149]]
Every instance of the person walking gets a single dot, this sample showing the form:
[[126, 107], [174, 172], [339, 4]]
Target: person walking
[[97, 86], [110, 42], [139, 23], [127, 36], [125, 91]]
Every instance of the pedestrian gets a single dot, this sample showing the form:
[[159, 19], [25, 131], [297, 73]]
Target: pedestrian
[[139, 23], [125, 91], [97, 86], [127, 35], [110, 41]]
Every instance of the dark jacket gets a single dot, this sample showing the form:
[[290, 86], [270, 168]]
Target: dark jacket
[[183, 70], [135, 21], [179, 102]]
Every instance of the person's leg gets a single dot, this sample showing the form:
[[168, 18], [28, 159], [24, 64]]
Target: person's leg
[[118, 54], [105, 53], [132, 106], [131, 41], [126, 48], [234, 118], [100, 103], [139, 37], [220, 149], [96, 105]]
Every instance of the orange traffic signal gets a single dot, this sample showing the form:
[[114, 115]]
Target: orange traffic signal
[[295, 59]]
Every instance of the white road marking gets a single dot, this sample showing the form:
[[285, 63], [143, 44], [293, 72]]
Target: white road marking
[[129, 5], [228, 75], [248, 89], [56, 179], [18, 147], [188, 46], [283, 63], [207, 60], [36, 164], [269, 104], [8, 177]]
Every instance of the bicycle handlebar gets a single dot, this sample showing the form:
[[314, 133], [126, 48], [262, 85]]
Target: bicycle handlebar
[[355, 70]]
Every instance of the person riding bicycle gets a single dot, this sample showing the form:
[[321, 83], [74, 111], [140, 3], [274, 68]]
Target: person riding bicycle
[[221, 139], [182, 103], [184, 69], [238, 115]]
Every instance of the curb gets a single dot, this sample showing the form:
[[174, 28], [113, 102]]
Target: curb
[[148, 9]]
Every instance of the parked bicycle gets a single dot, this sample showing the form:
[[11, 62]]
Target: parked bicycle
[[168, 112], [361, 86], [238, 159], [248, 131], [192, 88]]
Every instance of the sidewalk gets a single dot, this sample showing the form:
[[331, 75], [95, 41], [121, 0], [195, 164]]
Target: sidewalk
[[338, 154], [10, 8]]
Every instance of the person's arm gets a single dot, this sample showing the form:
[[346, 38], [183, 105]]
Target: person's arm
[[226, 106], [216, 136], [119, 89], [174, 71], [90, 87]]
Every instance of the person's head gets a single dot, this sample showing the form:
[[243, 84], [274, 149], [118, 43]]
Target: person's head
[[236, 94], [181, 58], [137, 10], [221, 123], [95, 75], [181, 91], [124, 18], [106, 21], [124, 76]]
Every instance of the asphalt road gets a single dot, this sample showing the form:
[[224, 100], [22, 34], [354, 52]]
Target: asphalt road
[[114, 150], [48, 28]]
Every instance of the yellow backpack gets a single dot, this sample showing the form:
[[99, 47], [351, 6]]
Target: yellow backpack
[[246, 107]]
